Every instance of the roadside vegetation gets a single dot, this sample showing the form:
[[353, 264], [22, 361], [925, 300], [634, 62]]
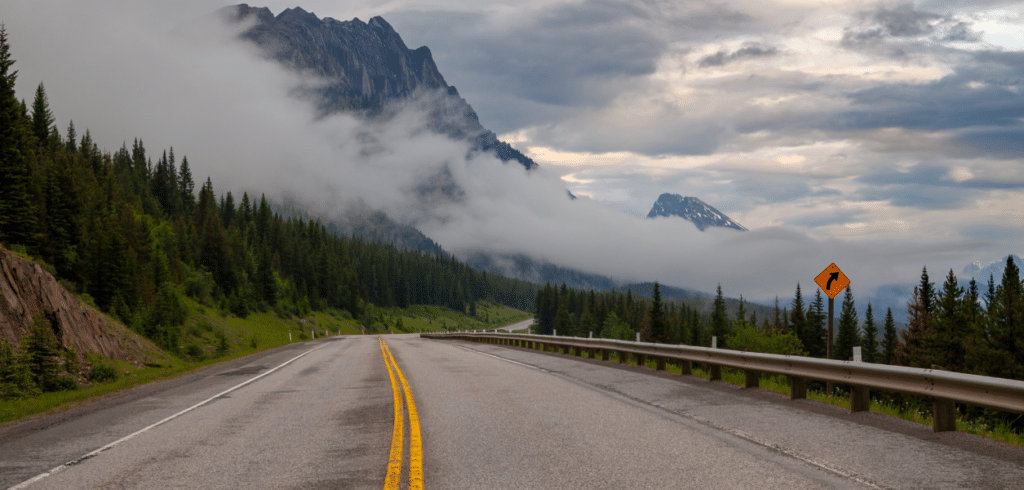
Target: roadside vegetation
[[965, 329], [38, 377], [202, 274]]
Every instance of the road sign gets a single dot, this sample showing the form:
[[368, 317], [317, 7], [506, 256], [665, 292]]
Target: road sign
[[832, 281]]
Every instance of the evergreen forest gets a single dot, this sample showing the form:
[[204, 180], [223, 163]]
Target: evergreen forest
[[951, 327], [132, 232]]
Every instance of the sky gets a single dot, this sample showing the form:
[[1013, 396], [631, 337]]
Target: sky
[[882, 136]]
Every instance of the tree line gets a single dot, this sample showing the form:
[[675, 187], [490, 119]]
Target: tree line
[[955, 328], [131, 230]]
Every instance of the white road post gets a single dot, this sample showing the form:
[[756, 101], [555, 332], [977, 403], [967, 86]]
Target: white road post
[[856, 354], [638, 336], [714, 342], [289, 336]]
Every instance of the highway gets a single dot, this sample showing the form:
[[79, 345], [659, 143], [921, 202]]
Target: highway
[[321, 414]]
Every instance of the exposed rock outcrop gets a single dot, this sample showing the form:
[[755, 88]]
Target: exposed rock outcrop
[[365, 67], [27, 290]]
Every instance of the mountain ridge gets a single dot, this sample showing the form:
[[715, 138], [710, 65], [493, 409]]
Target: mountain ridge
[[367, 68], [698, 212]]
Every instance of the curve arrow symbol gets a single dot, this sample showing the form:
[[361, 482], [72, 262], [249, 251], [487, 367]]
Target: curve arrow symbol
[[832, 277]]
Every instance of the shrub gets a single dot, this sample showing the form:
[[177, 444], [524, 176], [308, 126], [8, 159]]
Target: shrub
[[195, 352], [16, 380], [62, 383], [102, 372], [223, 348]]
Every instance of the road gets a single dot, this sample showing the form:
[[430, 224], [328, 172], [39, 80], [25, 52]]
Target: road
[[523, 325], [491, 417]]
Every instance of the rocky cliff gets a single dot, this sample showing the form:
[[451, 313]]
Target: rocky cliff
[[26, 290], [364, 67]]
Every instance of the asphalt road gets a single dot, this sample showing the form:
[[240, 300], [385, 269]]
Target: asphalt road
[[492, 417]]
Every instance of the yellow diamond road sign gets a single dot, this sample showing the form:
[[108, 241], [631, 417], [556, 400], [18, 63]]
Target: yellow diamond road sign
[[832, 280]]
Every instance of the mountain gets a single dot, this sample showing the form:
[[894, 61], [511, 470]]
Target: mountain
[[538, 272], [693, 209], [981, 272], [367, 69]]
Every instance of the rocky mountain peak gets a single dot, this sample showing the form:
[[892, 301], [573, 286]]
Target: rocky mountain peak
[[699, 212], [368, 68]]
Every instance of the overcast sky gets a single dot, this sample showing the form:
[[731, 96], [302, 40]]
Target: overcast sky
[[883, 136]]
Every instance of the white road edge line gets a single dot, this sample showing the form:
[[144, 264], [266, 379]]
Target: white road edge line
[[69, 464]]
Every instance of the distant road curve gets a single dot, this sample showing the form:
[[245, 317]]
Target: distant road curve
[[523, 325]]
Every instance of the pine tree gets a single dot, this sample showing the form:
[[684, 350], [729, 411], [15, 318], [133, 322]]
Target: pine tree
[[588, 323], [719, 321], [777, 322], [41, 353], [42, 118], [847, 334], [869, 351], [944, 342], [798, 317], [927, 291], [562, 322], [16, 379], [656, 319], [71, 141], [18, 219], [814, 336], [910, 351], [890, 339], [1008, 329], [186, 187]]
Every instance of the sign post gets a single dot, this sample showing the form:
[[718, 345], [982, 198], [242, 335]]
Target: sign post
[[832, 281]]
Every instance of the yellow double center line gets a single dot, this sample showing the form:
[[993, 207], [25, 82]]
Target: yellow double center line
[[398, 385]]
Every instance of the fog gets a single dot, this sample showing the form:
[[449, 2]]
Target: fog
[[169, 74]]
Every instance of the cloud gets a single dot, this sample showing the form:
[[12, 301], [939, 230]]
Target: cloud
[[750, 51], [601, 45], [881, 27], [798, 143]]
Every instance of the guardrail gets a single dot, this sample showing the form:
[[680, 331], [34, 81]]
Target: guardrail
[[946, 388]]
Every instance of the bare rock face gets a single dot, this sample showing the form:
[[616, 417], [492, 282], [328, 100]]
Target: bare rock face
[[365, 67], [27, 290]]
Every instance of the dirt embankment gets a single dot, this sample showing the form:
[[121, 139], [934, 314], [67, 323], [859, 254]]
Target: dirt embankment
[[26, 289]]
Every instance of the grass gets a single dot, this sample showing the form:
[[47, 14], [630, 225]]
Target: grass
[[420, 318], [257, 332], [998, 430]]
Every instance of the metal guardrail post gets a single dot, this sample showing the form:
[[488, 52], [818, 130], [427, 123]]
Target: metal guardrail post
[[714, 372], [753, 379], [943, 415], [797, 388], [685, 367], [659, 363], [860, 398], [605, 354]]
